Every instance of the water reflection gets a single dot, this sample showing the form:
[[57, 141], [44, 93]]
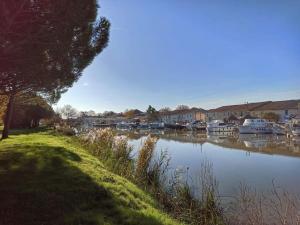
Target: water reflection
[[263, 143], [256, 160]]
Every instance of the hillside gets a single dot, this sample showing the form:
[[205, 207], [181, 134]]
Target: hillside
[[48, 179]]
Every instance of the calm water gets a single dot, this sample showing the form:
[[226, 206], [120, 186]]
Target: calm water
[[252, 159]]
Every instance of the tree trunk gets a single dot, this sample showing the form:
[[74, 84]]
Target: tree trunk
[[8, 116]]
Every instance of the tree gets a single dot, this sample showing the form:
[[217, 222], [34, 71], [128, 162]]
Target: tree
[[29, 110], [45, 45], [152, 114], [109, 114], [87, 113], [271, 116], [68, 112], [182, 107], [129, 114], [3, 103], [165, 109]]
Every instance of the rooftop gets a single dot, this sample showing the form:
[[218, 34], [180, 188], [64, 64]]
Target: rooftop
[[259, 106]]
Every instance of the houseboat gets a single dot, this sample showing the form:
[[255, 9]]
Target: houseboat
[[256, 126], [219, 126]]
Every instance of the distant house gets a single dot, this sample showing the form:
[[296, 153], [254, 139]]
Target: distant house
[[183, 116], [239, 111], [285, 109]]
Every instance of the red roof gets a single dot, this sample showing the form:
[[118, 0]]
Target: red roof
[[259, 106], [239, 108], [280, 105]]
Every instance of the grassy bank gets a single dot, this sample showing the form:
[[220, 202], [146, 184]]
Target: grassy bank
[[49, 179]]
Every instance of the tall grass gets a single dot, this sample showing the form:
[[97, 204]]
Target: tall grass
[[114, 151], [187, 205], [143, 162]]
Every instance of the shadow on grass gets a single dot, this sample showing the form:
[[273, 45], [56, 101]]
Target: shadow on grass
[[38, 185]]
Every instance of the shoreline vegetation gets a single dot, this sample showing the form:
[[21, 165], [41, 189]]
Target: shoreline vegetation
[[176, 196], [50, 178]]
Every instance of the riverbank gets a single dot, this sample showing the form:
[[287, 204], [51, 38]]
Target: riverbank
[[50, 179]]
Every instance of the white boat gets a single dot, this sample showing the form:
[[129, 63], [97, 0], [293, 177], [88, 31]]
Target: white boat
[[219, 126], [296, 130], [196, 125], [256, 126]]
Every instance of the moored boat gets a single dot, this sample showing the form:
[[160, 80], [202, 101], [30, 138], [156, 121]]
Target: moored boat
[[219, 126], [256, 126], [197, 125]]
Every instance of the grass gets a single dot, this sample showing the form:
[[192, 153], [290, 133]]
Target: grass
[[50, 179]]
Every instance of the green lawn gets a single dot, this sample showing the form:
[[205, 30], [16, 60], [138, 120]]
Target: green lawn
[[49, 179]]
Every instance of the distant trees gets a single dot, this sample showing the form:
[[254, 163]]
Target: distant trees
[[87, 113], [45, 45], [68, 112], [152, 114], [109, 114], [165, 109], [182, 107], [129, 114], [29, 110], [271, 116]]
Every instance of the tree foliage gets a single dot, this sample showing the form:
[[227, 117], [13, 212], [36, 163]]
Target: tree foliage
[[68, 112], [29, 110], [182, 107], [152, 114], [165, 109], [271, 116], [45, 45], [129, 114]]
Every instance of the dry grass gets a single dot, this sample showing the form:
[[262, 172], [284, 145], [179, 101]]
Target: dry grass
[[144, 158], [254, 208]]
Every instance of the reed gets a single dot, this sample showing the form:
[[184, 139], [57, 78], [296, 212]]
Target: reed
[[187, 206], [144, 159]]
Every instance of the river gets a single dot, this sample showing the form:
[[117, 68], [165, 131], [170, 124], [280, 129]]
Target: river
[[255, 160]]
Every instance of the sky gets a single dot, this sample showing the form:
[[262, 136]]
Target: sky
[[201, 53]]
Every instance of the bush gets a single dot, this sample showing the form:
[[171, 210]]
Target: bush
[[68, 131]]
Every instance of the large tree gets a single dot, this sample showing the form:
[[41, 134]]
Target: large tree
[[152, 114], [45, 45]]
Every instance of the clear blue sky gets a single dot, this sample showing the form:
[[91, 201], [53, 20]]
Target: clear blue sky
[[200, 53]]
